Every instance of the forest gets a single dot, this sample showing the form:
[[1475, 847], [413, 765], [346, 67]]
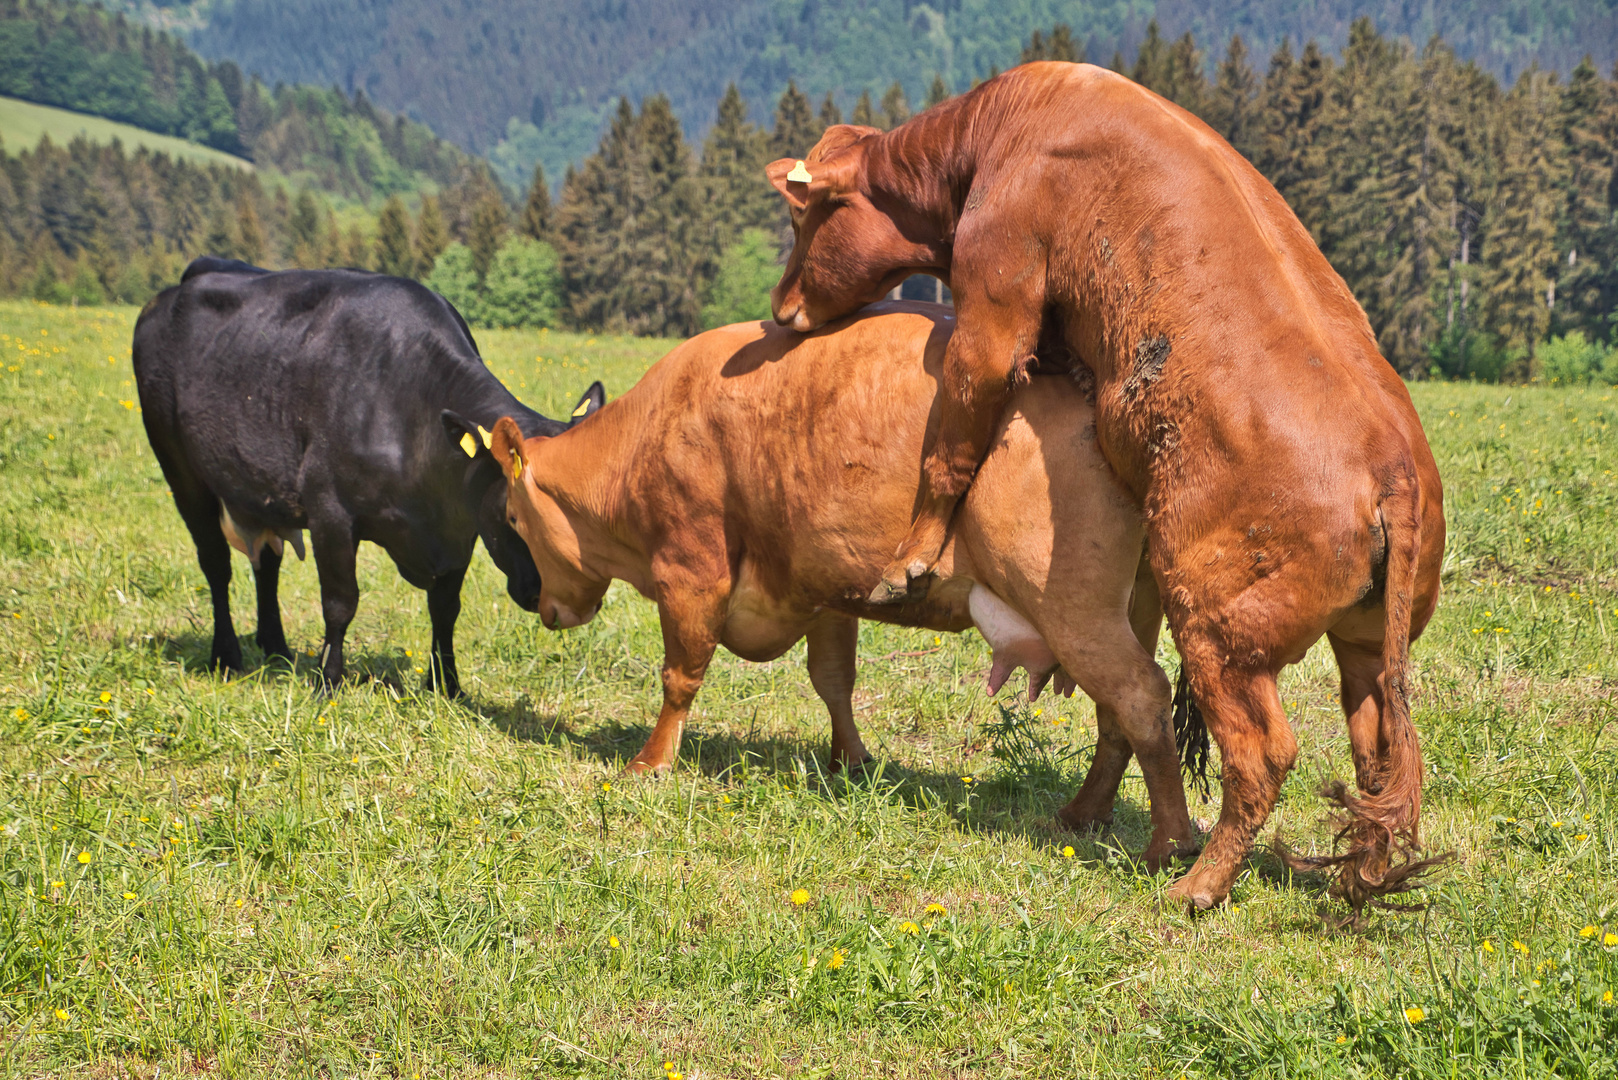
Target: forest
[[1474, 220]]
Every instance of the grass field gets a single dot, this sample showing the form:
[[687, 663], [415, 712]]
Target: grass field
[[23, 122], [238, 878]]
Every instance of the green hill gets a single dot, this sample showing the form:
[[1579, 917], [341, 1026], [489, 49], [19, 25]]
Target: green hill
[[22, 123], [538, 75]]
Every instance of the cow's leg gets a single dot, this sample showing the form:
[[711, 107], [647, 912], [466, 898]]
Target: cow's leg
[[691, 619], [271, 636], [1257, 749], [444, 607], [832, 647], [990, 341], [1360, 668], [1093, 803], [334, 548], [200, 511]]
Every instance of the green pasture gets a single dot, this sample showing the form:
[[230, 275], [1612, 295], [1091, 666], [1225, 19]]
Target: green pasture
[[22, 123], [240, 878]]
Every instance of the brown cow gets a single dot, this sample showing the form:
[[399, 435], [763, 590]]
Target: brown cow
[[755, 481], [1288, 487]]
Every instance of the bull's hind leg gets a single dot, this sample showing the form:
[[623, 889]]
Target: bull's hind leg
[[1256, 751], [271, 636], [200, 510], [1360, 667], [444, 607], [832, 654]]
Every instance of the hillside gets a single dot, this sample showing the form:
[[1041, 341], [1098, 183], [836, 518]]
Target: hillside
[[540, 74], [22, 123]]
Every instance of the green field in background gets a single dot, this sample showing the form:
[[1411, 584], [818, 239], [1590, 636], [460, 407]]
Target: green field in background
[[23, 122]]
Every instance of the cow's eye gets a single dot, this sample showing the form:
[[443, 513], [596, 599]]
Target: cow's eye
[[513, 519]]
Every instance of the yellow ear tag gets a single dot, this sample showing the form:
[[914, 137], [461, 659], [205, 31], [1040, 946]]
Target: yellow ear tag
[[799, 174], [487, 436], [516, 466], [584, 407], [469, 445]]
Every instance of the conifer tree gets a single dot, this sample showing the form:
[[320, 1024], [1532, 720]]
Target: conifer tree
[[795, 130], [306, 247], [536, 212], [1232, 105], [895, 107], [219, 240], [249, 231], [1585, 241], [1520, 241], [830, 114], [1059, 46], [937, 93], [1184, 82], [357, 249], [394, 254], [864, 113], [432, 237], [1151, 68], [488, 230], [331, 240], [732, 173], [1289, 151]]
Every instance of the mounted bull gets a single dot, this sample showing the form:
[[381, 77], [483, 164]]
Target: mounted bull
[[1288, 488], [345, 403], [755, 481]]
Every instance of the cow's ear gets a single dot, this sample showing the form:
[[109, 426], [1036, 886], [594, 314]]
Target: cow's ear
[[473, 439], [593, 399], [791, 179], [507, 447]]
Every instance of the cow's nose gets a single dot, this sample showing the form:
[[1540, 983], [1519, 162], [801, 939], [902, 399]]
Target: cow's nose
[[787, 316], [801, 322]]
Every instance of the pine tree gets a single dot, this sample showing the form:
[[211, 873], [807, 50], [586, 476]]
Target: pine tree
[[536, 212], [732, 174], [305, 244], [394, 254], [357, 249], [1520, 237], [249, 232], [1059, 46], [1184, 82], [1151, 68], [895, 107], [830, 114], [864, 114], [490, 219], [1586, 243], [1232, 106], [331, 241], [1290, 154], [431, 235], [795, 132], [937, 93], [219, 240]]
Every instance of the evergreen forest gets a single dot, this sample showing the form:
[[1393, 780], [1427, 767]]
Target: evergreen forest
[[1474, 219]]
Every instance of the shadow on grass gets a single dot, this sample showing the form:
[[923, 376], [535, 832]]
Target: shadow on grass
[[365, 667]]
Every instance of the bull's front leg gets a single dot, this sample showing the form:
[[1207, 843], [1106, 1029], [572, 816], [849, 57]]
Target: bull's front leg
[[691, 615], [444, 608], [334, 548], [996, 335]]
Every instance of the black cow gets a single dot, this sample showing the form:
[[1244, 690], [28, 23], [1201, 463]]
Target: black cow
[[337, 401]]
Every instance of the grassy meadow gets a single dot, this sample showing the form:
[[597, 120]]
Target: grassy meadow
[[22, 123], [204, 877]]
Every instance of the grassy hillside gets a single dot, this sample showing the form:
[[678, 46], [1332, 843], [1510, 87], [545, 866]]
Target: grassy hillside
[[479, 72], [244, 879], [22, 123]]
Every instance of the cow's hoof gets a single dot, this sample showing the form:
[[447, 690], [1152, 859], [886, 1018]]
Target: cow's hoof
[[1083, 821], [1195, 897], [645, 767], [851, 769], [276, 650]]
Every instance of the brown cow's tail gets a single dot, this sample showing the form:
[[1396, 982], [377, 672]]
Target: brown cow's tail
[[1383, 829]]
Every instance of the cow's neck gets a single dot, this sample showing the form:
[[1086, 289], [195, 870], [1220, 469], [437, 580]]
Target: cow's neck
[[586, 471], [472, 390], [921, 172]]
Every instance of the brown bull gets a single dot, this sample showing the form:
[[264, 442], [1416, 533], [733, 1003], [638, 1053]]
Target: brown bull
[[754, 483], [1288, 488]]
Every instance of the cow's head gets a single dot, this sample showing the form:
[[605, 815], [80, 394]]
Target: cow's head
[[853, 243], [486, 490], [568, 596]]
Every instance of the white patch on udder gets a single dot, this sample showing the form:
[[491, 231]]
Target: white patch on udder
[[1014, 643]]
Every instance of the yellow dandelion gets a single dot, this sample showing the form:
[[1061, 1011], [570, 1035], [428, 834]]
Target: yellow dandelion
[[908, 927], [129, 896], [1067, 851], [1556, 824], [724, 798], [1610, 939], [800, 897], [106, 696], [61, 1014], [84, 858], [1588, 931], [1520, 947], [1606, 999], [668, 1066], [937, 909], [1582, 836], [1415, 1014], [605, 786], [1341, 1039], [20, 713], [57, 884], [838, 956], [612, 941], [967, 780]]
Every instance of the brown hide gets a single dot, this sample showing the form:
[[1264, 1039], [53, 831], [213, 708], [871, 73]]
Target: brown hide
[[755, 482], [1288, 487]]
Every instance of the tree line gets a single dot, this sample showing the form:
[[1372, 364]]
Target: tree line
[[1474, 222]]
